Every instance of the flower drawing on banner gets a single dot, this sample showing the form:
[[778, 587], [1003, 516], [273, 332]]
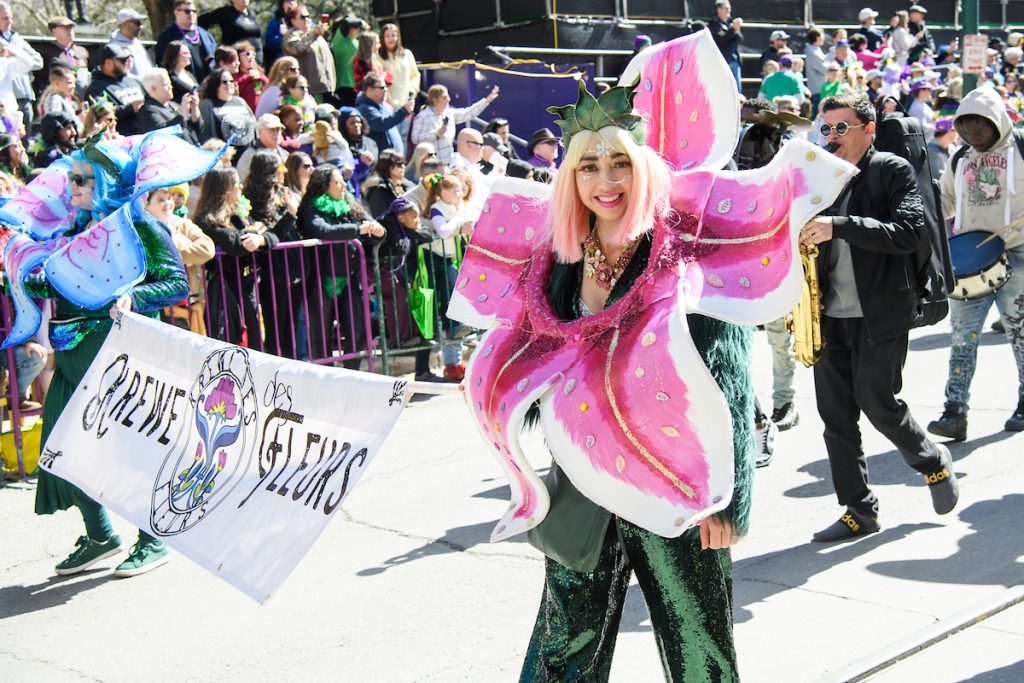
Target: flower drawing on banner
[[218, 427], [214, 447], [628, 408], [222, 400]]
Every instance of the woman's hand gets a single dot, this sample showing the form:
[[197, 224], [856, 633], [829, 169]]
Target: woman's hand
[[251, 242], [291, 202], [371, 228], [467, 228], [122, 304], [716, 534], [367, 158], [493, 94]]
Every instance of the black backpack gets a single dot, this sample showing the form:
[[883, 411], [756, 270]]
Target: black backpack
[[902, 135]]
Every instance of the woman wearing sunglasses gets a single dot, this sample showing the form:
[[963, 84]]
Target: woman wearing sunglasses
[[270, 97], [224, 113], [305, 41], [101, 182]]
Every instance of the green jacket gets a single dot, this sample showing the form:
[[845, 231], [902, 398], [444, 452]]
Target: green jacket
[[344, 50]]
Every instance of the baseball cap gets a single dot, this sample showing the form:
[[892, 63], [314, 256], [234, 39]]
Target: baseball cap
[[268, 121], [59, 21], [113, 51], [867, 13], [918, 8], [128, 14], [494, 140], [779, 35], [786, 60]]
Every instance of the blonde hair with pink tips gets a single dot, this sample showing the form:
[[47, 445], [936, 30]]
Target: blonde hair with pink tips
[[569, 219]]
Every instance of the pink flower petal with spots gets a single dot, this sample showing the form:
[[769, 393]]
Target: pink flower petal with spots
[[504, 239], [689, 97]]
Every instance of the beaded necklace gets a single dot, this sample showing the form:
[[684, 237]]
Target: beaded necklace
[[192, 37], [596, 267]]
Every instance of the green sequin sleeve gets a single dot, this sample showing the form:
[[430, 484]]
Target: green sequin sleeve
[[165, 283], [725, 349], [38, 287]]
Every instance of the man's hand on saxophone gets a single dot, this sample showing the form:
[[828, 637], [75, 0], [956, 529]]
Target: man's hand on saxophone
[[817, 230]]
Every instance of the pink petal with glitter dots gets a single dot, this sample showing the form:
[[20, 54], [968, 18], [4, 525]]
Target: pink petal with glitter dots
[[690, 98], [644, 447], [503, 241], [747, 240]]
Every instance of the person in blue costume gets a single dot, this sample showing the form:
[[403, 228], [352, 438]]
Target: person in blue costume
[[100, 184]]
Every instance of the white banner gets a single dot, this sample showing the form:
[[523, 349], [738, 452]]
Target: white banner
[[235, 458]]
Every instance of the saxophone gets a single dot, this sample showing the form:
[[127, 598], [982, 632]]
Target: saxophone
[[805, 320]]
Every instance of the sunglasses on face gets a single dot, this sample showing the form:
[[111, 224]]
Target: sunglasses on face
[[79, 180], [186, 11], [293, 68], [841, 128], [303, 16], [302, 87]]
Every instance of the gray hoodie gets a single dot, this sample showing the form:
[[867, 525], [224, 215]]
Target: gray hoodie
[[986, 193]]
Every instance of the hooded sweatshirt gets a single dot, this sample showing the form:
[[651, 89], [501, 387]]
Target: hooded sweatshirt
[[987, 191]]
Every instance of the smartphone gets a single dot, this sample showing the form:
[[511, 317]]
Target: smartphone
[[444, 121], [325, 18]]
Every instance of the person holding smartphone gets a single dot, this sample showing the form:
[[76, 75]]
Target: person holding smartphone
[[436, 122], [305, 41]]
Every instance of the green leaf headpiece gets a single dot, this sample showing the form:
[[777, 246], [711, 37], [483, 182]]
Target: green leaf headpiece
[[612, 108], [98, 157]]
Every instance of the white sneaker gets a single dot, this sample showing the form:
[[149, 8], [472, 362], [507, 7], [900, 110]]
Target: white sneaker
[[764, 440]]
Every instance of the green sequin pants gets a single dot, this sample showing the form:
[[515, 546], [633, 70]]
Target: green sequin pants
[[688, 592]]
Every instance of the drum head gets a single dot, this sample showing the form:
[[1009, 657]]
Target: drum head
[[969, 258]]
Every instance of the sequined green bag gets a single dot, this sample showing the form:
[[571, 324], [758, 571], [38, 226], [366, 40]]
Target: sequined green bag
[[573, 532]]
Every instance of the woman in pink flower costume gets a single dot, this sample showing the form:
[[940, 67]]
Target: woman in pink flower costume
[[618, 305]]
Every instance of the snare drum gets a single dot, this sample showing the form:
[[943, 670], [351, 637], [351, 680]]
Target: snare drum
[[978, 269]]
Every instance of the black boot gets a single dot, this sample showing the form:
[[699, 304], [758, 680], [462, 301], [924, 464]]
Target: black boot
[[1016, 421], [953, 423]]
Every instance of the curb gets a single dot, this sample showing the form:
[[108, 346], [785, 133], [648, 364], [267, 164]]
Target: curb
[[896, 652]]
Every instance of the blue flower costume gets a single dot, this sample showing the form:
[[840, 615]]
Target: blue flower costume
[[85, 260]]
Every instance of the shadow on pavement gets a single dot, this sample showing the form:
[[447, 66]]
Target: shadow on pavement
[[941, 341], [989, 556], [754, 580], [455, 540], [1014, 673], [886, 468], [54, 592]]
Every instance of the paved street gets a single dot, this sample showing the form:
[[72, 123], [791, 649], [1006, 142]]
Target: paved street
[[405, 587]]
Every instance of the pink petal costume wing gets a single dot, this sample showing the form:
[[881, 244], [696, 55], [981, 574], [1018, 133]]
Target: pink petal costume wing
[[488, 295], [690, 101], [628, 408], [750, 222], [22, 256]]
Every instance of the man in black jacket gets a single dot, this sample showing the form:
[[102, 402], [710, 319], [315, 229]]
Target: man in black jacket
[[867, 272], [726, 31], [158, 110], [110, 80]]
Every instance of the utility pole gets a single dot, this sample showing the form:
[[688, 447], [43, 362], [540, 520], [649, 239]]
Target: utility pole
[[970, 14]]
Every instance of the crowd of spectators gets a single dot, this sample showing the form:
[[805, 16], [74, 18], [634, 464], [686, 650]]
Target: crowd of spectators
[[326, 141], [897, 61]]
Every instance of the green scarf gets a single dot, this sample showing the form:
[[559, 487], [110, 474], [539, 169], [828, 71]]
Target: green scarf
[[331, 207]]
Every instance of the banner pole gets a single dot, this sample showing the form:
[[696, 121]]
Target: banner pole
[[436, 388]]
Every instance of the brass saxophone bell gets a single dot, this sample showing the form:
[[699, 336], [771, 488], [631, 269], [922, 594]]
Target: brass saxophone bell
[[805, 320]]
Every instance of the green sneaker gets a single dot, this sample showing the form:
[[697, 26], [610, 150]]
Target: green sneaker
[[88, 553], [144, 557]]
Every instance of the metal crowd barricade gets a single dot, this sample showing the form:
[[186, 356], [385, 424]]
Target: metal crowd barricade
[[302, 305], [399, 334]]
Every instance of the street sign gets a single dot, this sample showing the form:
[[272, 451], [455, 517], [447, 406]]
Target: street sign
[[975, 54]]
